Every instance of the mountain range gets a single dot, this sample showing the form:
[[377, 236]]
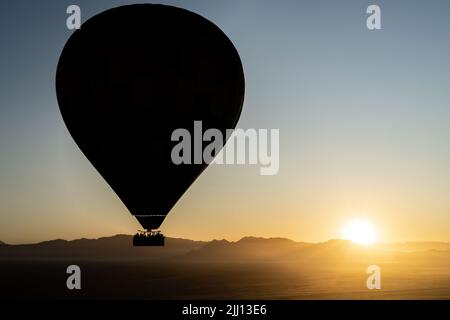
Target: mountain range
[[119, 247], [251, 268]]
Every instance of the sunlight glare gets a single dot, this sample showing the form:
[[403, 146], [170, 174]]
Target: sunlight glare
[[359, 231]]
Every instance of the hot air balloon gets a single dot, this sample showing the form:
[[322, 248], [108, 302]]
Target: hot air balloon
[[126, 80]]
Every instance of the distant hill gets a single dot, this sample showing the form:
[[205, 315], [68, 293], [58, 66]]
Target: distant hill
[[414, 246], [117, 247], [331, 252], [279, 249], [251, 268], [247, 249]]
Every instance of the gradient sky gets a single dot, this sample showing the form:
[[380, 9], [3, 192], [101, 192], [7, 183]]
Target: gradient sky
[[363, 117]]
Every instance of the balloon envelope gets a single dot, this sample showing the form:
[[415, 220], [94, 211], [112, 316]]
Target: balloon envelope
[[131, 76]]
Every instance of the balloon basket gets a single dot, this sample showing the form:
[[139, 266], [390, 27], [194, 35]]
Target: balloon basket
[[148, 239]]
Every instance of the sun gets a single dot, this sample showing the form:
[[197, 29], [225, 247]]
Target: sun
[[360, 231]]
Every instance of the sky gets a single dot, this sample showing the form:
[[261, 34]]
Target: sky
[[363, 118]]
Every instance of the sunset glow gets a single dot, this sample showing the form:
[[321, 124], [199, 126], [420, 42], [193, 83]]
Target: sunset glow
[[360, 231]]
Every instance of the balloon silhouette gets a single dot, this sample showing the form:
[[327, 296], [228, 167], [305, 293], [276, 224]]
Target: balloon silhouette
[[132, 75]]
